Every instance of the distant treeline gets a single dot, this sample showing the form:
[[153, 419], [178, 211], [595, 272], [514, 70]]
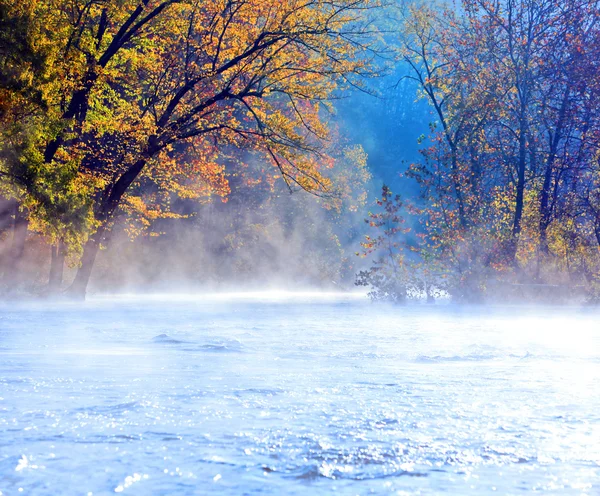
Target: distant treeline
[[509, 173], [172, 130]]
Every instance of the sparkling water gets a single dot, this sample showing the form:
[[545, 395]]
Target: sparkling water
[[297, 394]]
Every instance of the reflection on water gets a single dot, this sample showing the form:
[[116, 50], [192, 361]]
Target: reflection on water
[[294, 394]]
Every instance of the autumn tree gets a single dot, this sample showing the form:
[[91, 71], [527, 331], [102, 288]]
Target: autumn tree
[[390, 275], [513, 131], [31, 73], [152, 92], [245, 74], [455, 188]]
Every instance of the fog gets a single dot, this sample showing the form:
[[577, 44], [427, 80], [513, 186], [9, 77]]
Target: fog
[[262, 235]]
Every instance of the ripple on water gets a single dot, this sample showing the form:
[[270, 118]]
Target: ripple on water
[[284, 398], [166, 339]]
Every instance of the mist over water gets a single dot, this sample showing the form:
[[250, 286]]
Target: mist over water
[[297, 393]]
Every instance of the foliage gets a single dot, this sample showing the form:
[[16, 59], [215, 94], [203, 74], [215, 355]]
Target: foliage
[[508, 171], [146, 101], [389, 274]]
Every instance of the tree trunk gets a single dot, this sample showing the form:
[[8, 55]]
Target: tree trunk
[[545, 204], [19, 233], [57, 264], [15, 254], [6, 224], [457, 189], [428, 293], [545, 214], [518, 214], [521, 165], [112, 198], [79, 285], [6, 214]]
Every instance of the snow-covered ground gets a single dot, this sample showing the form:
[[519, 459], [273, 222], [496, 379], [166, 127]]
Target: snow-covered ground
[[286, 393]]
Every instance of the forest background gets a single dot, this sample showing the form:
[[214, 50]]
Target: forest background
[[239, 144]]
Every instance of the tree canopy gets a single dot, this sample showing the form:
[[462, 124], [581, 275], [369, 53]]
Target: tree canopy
[[158, 93]]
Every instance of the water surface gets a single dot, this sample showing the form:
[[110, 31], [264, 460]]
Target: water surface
[[297, 394]]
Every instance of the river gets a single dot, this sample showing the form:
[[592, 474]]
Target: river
[[284, 393]]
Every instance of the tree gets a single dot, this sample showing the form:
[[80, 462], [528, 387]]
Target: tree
[[258, 88], [31, 72], [156, 90], [389, 276], [513, 133]]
